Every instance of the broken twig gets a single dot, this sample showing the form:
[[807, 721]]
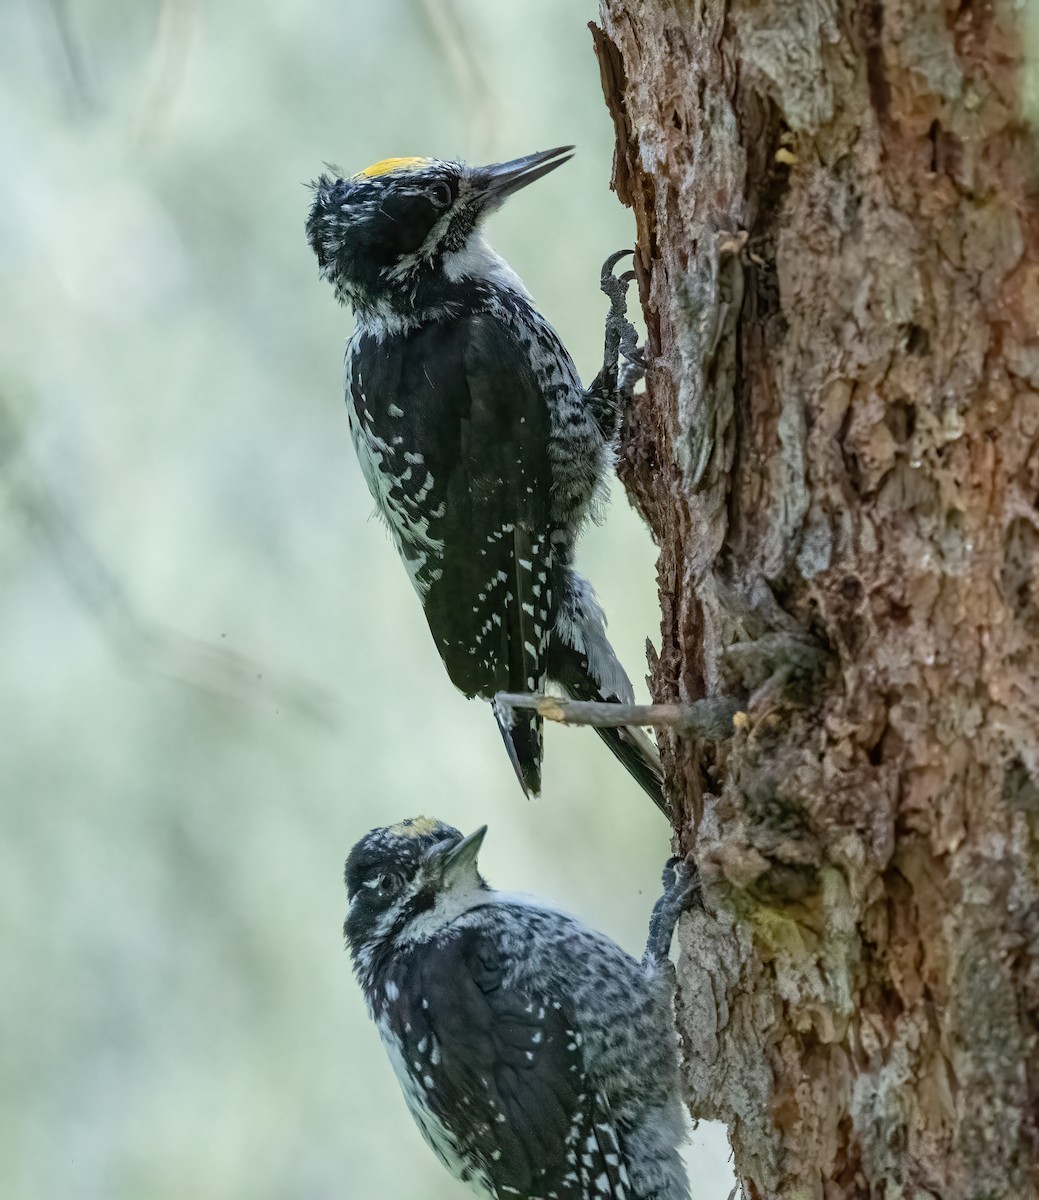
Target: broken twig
[[711, 719]]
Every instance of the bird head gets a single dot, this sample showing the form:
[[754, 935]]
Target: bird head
[[395, 238], [406, 880]]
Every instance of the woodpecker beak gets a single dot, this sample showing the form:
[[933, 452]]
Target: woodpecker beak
[[459, 858], [502, 179]]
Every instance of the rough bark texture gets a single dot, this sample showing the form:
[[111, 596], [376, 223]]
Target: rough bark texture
[[838, 453]]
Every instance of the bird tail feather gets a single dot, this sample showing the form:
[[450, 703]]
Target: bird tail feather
[[522, 731], [629, 743]]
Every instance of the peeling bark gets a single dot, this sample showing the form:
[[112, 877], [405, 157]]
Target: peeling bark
[[838, 454]]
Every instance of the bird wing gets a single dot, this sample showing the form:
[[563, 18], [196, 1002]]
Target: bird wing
[[502, 1073], [452, 428]]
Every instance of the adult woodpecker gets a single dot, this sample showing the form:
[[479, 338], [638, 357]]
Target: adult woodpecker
[[538, 1058], [483, 451]]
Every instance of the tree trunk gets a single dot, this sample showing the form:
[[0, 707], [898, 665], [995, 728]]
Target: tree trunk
[[838, 454]]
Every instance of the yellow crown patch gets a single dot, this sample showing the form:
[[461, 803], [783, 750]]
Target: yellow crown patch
[[386, 165], [414, 827]]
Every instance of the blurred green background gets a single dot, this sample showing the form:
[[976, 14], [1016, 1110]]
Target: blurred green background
[[215, 674]]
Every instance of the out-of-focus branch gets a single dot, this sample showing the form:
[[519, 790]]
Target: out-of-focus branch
[[144, 644], [80, 93], [165, 68], [462, 66]]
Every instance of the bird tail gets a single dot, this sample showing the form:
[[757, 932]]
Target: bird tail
[[522, 731], [641, 758], [584, 665], [629, 743]]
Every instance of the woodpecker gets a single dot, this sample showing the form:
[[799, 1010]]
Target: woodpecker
[[537, 1057], [482, 450]]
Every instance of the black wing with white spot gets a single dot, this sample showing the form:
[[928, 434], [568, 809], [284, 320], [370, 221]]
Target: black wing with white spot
[[452, 430], [498, 1082]]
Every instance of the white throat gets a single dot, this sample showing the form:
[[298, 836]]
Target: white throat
[[476, 260], [451, 904]]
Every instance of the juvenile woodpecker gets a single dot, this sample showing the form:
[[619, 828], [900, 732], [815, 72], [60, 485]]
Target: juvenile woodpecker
[[537, 1058], [480, 446]]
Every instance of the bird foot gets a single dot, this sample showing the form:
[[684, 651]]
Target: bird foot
[[681, 882], [682, 892], [621, 339], [623, 362], [615, 287]]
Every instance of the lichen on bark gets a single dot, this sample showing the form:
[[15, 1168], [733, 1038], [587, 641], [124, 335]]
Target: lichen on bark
[[838, 455]]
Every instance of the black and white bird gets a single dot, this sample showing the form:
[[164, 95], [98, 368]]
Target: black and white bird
[[484, 453], [537, 1057]]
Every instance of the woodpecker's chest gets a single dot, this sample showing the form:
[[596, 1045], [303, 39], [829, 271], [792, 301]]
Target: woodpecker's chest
[[414, 389]]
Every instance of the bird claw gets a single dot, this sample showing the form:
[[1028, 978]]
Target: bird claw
[[681, 882], [614, 259], [623, 364], [607, 268], [682, 892], [615, 287], [621, 338]]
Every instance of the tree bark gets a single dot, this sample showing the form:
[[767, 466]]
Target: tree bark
[[838, 455]]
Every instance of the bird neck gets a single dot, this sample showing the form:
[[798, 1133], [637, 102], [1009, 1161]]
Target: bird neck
[[477, 263], [374, 956], [471, 279]]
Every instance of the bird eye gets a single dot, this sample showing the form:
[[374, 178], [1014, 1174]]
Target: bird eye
[[390, 884], [440, 194]]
